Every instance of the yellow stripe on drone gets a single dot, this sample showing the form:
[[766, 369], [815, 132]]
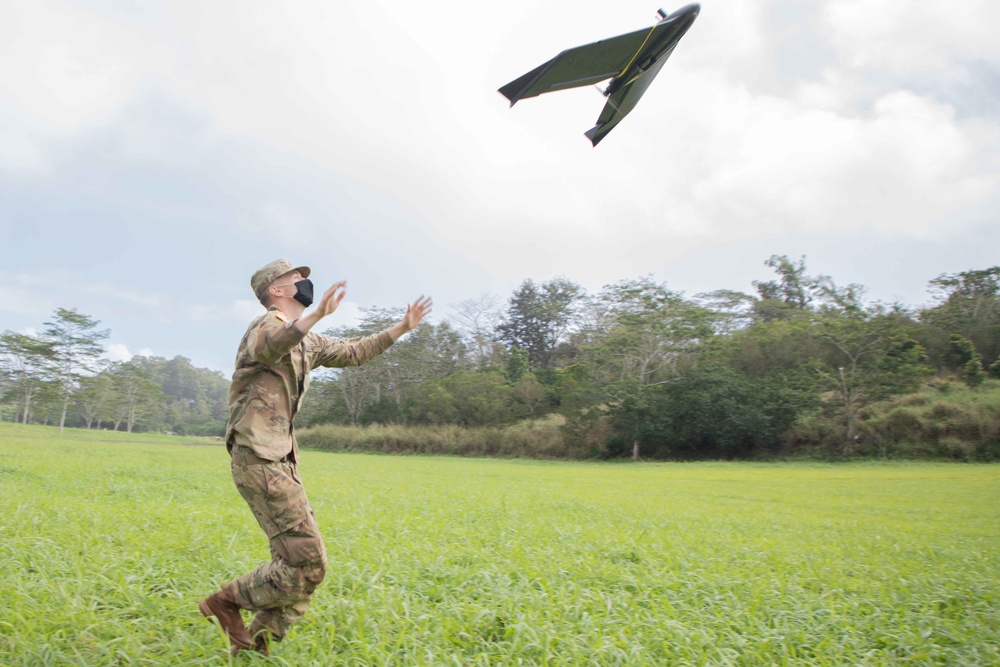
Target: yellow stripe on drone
[[641, 46]]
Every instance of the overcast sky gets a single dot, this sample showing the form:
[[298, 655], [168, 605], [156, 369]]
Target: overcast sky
[[153, 155]]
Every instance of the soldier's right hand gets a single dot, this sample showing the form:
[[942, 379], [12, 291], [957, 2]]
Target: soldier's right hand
[[331, 299]]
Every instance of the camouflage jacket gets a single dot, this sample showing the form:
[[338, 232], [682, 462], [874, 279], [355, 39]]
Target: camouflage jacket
[[272, 375]]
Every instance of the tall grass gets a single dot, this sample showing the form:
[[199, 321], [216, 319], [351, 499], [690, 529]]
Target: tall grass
[[544, 439], [946, 420], [106, 547]]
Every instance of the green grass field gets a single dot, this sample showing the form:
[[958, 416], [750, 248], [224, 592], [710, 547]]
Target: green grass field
[[108, 540]]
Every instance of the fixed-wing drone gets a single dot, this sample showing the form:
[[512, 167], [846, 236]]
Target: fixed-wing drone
[[630, 61]]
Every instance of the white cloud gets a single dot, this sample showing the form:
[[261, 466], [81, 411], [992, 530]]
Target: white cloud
[[902, 37], [118, 352], [903, 168], [66, 70]]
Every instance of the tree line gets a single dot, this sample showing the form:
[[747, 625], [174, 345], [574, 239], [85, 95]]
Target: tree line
[[634, 369], [61, 377], [640, 369]]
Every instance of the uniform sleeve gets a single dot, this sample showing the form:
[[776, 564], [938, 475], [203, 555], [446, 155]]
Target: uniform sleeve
[[341, 352], [272, 339]]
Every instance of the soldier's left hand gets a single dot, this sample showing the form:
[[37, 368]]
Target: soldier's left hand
[[415, 312]]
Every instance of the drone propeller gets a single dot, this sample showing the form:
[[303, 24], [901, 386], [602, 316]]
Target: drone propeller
[[605, 95]]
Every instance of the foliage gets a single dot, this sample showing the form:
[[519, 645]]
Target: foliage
[[870, 358], [959, 352], [27, 362], [969, 306], [944, 420], [793, 291], [648, 328], [708, 412], [539, 317], [474, 398], [477, 320], [973, 372], [635, 369], [76, 352], [135, 396]]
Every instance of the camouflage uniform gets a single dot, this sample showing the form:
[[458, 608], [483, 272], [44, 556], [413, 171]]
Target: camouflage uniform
[[272, 375]]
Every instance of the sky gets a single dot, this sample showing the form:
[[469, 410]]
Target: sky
[[154, 155]]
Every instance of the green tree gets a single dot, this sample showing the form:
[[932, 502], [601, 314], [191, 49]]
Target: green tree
[[6, 384], [973, 372], [477, 321], [469, 398], [27, 361], [767, 348], [870, 357], [790, 294], [433, 404], [649, 329], [539, 318], [530, 393], [95, 398], [76, 352], [796, 293], [731, 311], [959, 352], [709, 412], [136, 396], [196, 400], [378, 390], [516, 366], [969, 305]]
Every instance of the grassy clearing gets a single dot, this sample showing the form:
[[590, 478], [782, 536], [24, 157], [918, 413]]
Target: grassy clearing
[[106, 547]]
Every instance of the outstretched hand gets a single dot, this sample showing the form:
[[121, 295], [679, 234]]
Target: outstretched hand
[[331, 299], [414, 314]]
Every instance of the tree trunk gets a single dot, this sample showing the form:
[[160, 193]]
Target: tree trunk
[[62, 417], [26, 407], [635, 450], [846, 393]]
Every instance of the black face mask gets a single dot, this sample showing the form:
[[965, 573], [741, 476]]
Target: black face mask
[[304, 292]]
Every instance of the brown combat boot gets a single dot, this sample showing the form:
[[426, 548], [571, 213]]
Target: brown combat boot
[[262, 637], [223, 607]]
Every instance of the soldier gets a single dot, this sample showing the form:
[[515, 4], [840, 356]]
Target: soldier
[[272, 374]]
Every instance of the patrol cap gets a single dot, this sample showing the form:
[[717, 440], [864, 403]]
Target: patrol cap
[[268, 273]]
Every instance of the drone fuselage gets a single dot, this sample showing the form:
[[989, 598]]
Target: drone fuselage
[[660, 48]]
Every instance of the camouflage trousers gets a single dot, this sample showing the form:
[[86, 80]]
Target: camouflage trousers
[[279, 591]]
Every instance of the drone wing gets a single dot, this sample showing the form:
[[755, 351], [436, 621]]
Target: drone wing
[[582, 66], [623, 101]]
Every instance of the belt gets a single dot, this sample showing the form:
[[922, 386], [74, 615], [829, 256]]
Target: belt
[[250, 458]]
